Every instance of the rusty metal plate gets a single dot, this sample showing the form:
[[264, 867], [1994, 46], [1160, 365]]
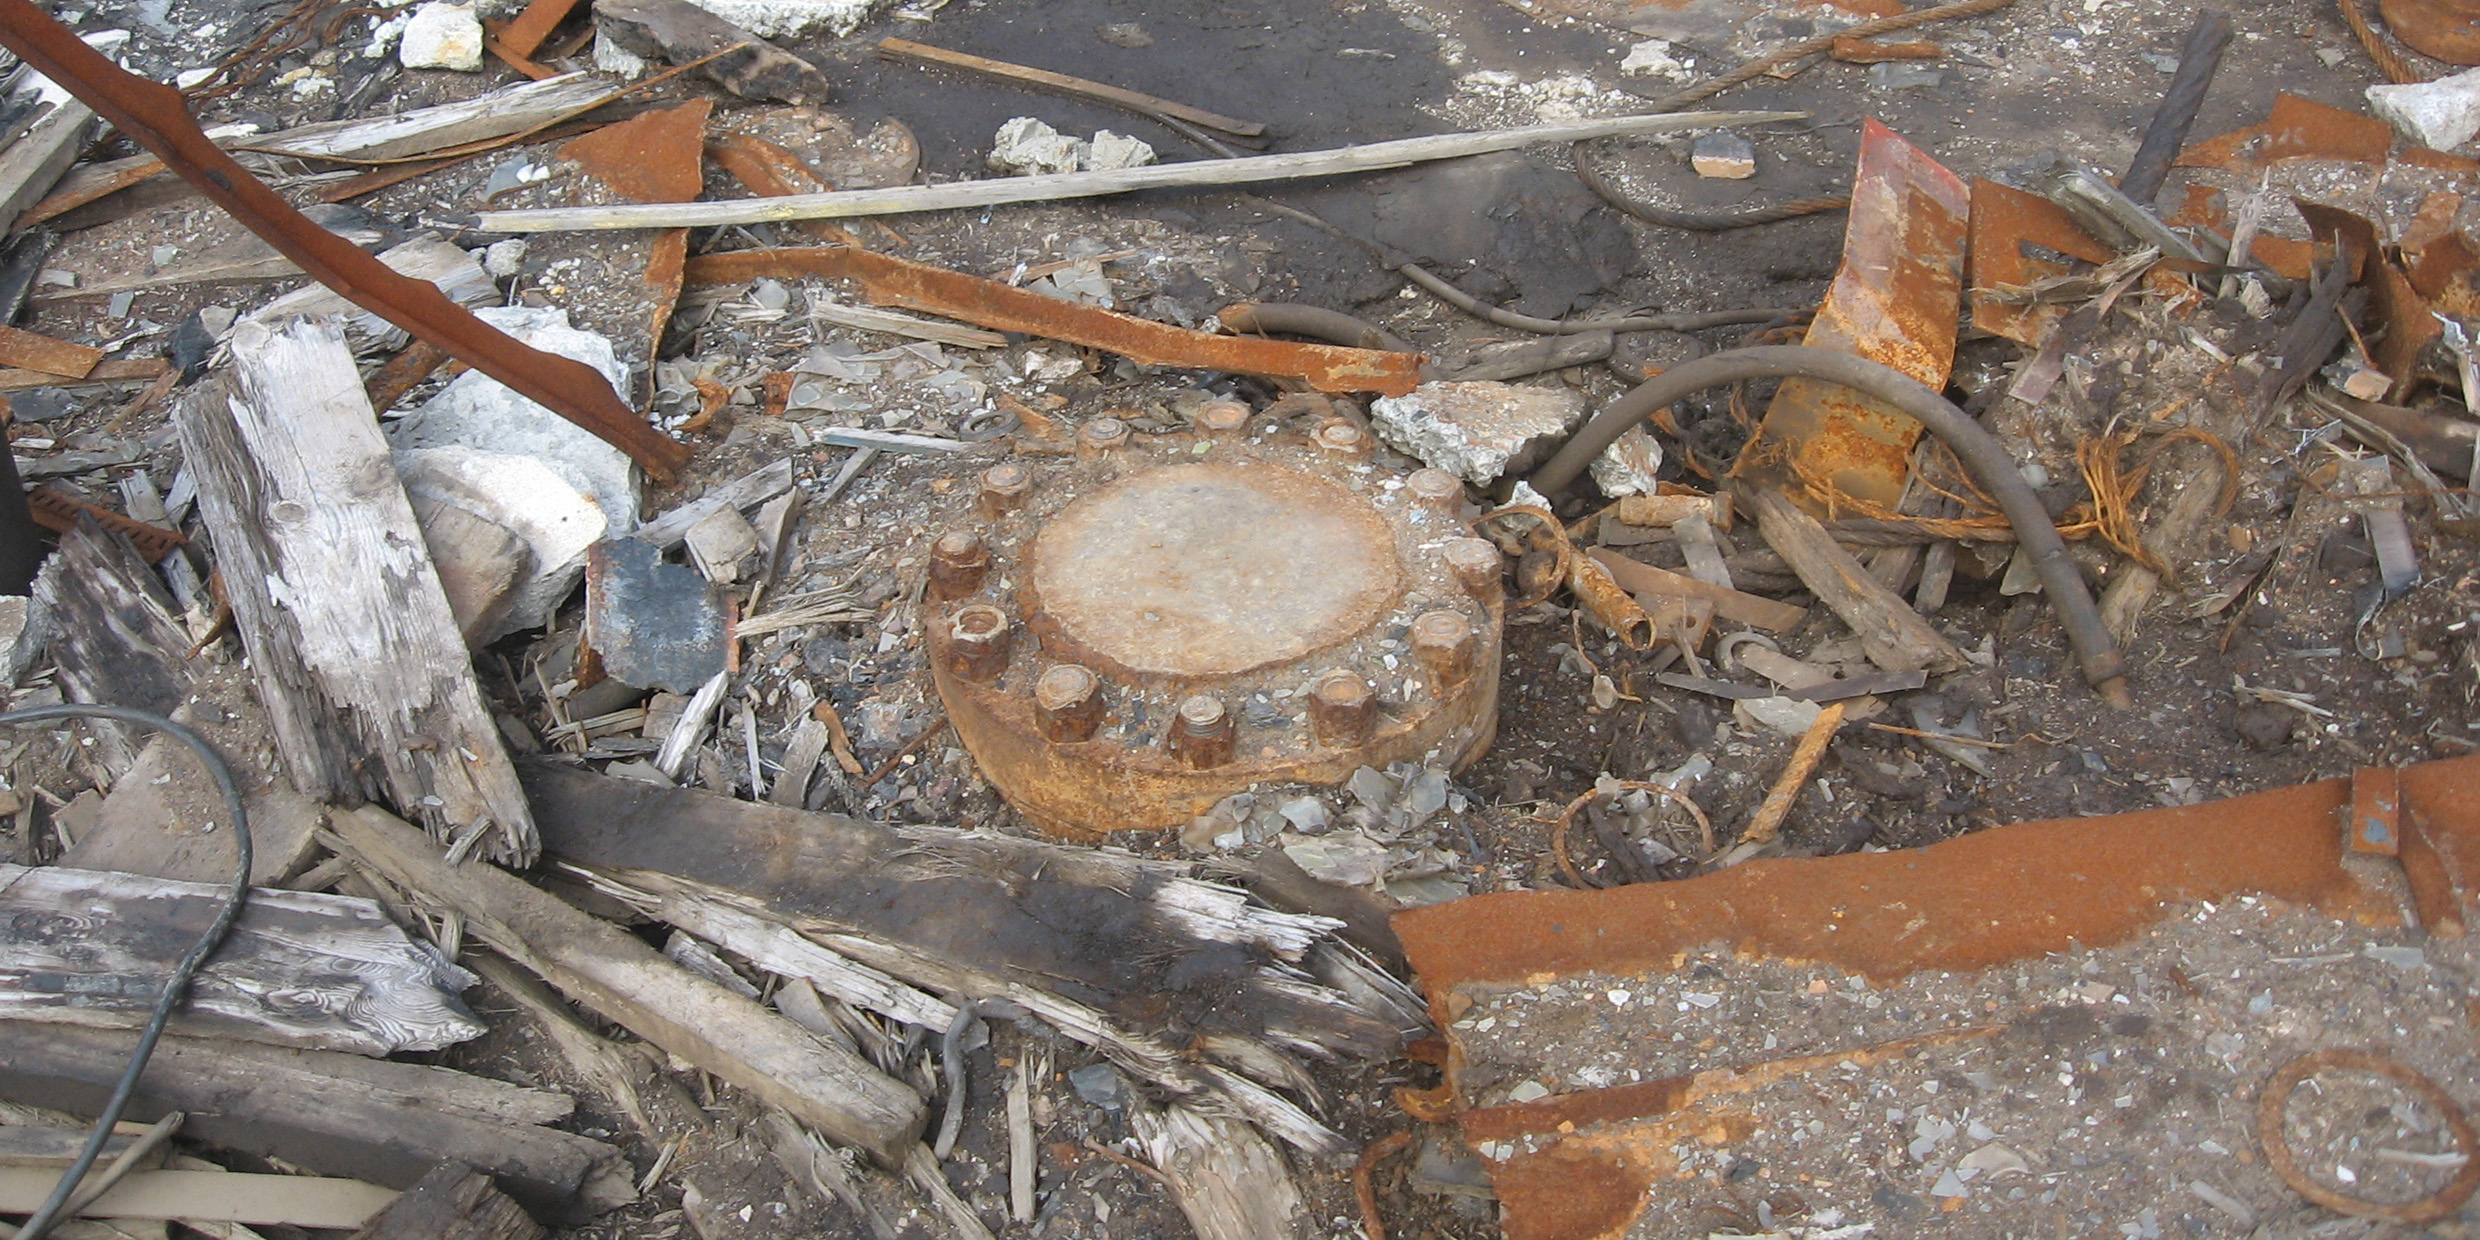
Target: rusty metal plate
[[1167, 572], [2004, 222], [1125, 637], [1896, 300], [654, 157], [2296, 128]]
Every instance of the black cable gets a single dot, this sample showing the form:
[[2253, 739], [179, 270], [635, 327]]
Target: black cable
[[175, 987]]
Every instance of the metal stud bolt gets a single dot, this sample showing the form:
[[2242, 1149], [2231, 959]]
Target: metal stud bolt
[[1444, 643], [1342, 711], [1203, 732], [1004, 488], [977, 643], [958, 562], [1067, 704]]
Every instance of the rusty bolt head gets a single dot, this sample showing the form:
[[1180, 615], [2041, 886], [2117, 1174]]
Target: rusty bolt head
[[977, 642], [1203, 732], [1342, 711], [1435, 488], [1222, 419], [958, 562], [1444, 643], [1004, 488], [1067, 704], [1343, 439], [1478, 567], [1101, 435]]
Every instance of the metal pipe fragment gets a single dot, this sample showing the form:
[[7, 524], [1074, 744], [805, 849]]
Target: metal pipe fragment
[[1982, 456], [1614, 607]]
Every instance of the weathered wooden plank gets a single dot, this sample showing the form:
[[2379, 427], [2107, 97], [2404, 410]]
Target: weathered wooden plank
[[89, 947], [356, 652], [1132, 957], [1230, 1183], [1894, 636], [453, 1202], [116, 635], [227, 1196], [30, 166], [330, 1113], [616, 974]]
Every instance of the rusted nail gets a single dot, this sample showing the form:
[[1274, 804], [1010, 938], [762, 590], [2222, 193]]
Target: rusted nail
[[1004, 488], [1342, 710], [1478, 567], [977, 640], [1444, 643], [958, 562], [1203, 733], [1434, 488], [1222, 419], [1101, 435], [1343, 439], [1067, 704]]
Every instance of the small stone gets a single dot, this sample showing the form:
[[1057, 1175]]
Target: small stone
[[2399, 957], [442, 36], [1653, 58], [1993, 1160], [1895, 75], [1528, 1091], [1789, 716], [1371, 787], [1306, 814], [2265, 726], [1124, 34], [1950, 1185], [1723, 156], [503, 258], [2441, 115], [191, 79], [1101, 1085], [2332, 56]]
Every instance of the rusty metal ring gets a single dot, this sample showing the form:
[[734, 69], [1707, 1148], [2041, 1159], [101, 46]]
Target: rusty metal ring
[[2276, 1097], [1567, 818], [1557, 539]]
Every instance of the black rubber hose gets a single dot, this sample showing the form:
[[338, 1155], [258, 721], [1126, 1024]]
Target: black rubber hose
[[1316, 322], [2167, 133], [176, 987], [1982, 456]]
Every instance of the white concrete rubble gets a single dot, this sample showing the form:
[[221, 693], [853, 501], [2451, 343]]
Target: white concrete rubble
[[1475, 430], [1025, 146], [441, 35], [2440, 115]]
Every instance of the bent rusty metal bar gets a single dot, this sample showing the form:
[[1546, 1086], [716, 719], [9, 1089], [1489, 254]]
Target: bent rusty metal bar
[[988, 303], [153, 116]]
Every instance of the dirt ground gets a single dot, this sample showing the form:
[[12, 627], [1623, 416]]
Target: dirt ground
[[2108, 1084]]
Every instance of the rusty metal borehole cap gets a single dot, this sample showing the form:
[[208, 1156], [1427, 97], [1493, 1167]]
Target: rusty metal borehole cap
[[1207, 570]]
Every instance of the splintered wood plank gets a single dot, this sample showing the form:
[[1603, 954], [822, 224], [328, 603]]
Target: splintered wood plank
[[213, 1196], [299, 968], [453, 1202], [356, 651], [615, 973]]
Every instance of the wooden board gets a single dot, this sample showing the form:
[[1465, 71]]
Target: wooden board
[[1638, 577], [1894, 636], [30, 166], [615, 973], [116, 635], [334, 1114], [453, 1202], [90, 947], [357, 655], [213, 1196]]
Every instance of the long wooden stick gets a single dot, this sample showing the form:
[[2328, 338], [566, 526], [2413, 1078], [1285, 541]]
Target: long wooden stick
[[898, 199], [923, 52]]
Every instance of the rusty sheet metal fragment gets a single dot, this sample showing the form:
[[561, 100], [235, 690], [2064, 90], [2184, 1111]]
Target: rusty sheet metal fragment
[[2441, 262], [2284, 256], [58, 511], [152, 115], [53, 357], [2395, 308], [2448, 30], [771, 171], [656, 157], [2376, 811], [1895, 301], [2296, 128], [2006, 224], [988, 303], [651, 624]]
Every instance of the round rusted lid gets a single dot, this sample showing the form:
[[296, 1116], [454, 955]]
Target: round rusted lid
[[1209, 570]]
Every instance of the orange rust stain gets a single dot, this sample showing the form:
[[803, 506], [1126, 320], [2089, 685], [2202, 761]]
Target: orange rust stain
[[1575, 1191], [1895, 301], [988, 303], [2296, 128], [653, 157], [1997, 895]]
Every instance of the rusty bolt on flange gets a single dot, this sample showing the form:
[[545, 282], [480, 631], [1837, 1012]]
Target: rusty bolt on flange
[[958, 561], [1154, 626]]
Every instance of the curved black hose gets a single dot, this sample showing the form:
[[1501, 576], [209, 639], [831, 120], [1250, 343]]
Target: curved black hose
[[1982, 456], [1317, 322], [1698, 221], [176, 986]]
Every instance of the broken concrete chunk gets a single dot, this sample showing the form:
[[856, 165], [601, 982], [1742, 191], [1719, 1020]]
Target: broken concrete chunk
[[1654, 57], [1111, 150], [441, 35], [718, 544], [1025, 146], [1724, 156], [681, 32], [2440, 115], [783, 19], [480, 562], [1479, 432], [653, 625], [1789, 716], [480, 413], [552, 517], [1346, 859]]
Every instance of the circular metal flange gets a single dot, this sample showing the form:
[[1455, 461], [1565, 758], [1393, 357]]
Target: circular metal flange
[[1187, 615]]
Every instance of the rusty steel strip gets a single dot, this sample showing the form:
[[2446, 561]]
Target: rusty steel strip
[[988, 303], [152, 115], [1896, 301], [653, 157], [2295, 128], [58, 511], [2003, 221], [32, 351]]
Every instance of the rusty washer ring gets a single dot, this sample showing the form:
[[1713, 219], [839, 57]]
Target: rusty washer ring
[[1567, 818], [2276, 1097]]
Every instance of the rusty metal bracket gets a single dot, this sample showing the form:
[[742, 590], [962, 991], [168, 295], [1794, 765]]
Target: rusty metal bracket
[[2376, 811], [153, 116]]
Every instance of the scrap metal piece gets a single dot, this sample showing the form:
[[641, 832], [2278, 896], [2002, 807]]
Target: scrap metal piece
[[152, 115], [651, 624], [2295, 128], [2272, 1133], [988, 303], [2376, 811], [1894, 301], [1144, 632], [653, 157], [2005, 221], [2108, 214], [2394, 304], [2448, 30]]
